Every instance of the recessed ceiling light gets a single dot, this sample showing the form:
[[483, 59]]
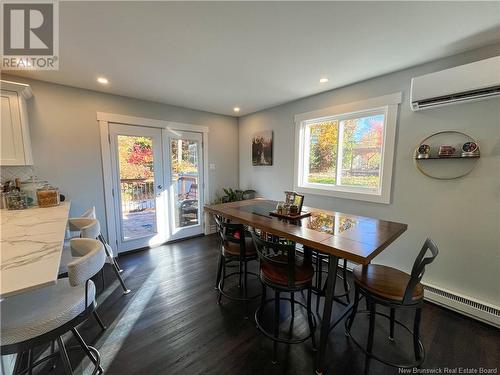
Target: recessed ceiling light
[[323, 80], [236, 109], [102, 80]]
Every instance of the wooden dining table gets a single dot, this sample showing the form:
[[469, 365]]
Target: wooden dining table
[[338, 235]]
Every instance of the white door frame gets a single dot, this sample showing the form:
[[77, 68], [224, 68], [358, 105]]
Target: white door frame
[[104, 120]]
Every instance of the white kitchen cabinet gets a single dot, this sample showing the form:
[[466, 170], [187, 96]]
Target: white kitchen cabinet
[[15, 137]]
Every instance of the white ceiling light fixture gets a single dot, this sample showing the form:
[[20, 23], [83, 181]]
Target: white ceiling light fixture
[[323, 80], [102, 80], [236, 109]]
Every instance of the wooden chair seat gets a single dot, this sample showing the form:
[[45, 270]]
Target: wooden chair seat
[[385, 282], [279, 275], [233, 248]]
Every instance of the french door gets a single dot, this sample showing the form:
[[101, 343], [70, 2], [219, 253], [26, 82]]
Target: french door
[[157, 185]]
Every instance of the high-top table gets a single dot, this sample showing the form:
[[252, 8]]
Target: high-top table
[[31, 242], [355, 238]]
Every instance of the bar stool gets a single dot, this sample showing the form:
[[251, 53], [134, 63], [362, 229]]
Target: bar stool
[[44, 315], [395, 289], [92, 230], [235, 246], [283, 271], [77, 224]]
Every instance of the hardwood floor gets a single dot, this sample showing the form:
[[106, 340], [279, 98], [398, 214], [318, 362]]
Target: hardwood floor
[[171, 324]]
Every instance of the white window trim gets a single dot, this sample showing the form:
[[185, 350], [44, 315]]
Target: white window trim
[[389, 104]]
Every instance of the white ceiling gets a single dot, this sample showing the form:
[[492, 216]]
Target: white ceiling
[[214, 56]]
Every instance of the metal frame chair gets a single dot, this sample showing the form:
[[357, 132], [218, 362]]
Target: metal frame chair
[[408, 301], [231, 233], [282, 257]]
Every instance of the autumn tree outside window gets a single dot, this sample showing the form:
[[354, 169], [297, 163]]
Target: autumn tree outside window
[[347, 153]]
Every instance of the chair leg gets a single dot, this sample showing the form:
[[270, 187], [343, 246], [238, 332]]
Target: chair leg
[[371, 332], [263, 298], [219, 271], [120, 279], [240, 273], [392, 320], [30, 361], [346, 284], [221, 283], [117, 265], [17, 364], [276, 325], [245, 288], [88, 351], [99, 321], [52, 351], [312, 329], [292, 304], [416, 334], [354, 310], [64, 356]]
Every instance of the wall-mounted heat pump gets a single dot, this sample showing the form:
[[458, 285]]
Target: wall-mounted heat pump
[[476, 81]]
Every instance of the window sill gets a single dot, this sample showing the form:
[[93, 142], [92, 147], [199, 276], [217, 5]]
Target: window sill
[[355, 195]]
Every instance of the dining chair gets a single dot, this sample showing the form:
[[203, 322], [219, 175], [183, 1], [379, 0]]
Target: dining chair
[[284, 271], [235, 246], [44, 315], [390, 287]]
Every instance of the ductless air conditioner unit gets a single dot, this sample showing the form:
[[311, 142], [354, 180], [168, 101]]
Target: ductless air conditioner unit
[[476, 81]]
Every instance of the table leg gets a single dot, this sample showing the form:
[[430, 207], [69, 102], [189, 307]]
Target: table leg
[[327, 313]]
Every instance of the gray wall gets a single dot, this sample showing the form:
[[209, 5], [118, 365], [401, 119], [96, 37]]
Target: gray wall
[[66, 142], [461, 215]]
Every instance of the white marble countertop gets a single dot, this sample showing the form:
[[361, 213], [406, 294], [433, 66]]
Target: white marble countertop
[[30, 247]]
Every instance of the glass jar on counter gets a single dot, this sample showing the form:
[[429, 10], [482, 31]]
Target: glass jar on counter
[[16, 200], [47, 196], [30, 187]]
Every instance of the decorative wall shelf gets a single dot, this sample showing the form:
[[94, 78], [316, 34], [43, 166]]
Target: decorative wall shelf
[[448, 158], [456, 166]]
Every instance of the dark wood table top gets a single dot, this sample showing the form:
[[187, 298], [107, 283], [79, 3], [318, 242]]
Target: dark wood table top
[[355, 238]]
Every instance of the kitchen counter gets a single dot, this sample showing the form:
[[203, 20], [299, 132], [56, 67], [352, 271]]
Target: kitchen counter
[[31, 243]]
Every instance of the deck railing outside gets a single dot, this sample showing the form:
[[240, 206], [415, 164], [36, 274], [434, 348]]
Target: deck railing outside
[[137, 194]]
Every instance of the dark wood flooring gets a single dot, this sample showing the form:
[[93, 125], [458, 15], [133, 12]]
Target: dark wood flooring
[[171, 324]]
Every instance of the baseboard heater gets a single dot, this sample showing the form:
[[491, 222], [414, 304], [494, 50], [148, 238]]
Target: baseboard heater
[[464, 305]]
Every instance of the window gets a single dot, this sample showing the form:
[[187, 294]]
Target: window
[[347, 151]]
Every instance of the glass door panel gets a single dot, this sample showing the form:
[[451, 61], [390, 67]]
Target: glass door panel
[[186, 178], [137, 194], [138, 180]]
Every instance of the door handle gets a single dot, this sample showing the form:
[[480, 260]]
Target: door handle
[[160, 187]]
